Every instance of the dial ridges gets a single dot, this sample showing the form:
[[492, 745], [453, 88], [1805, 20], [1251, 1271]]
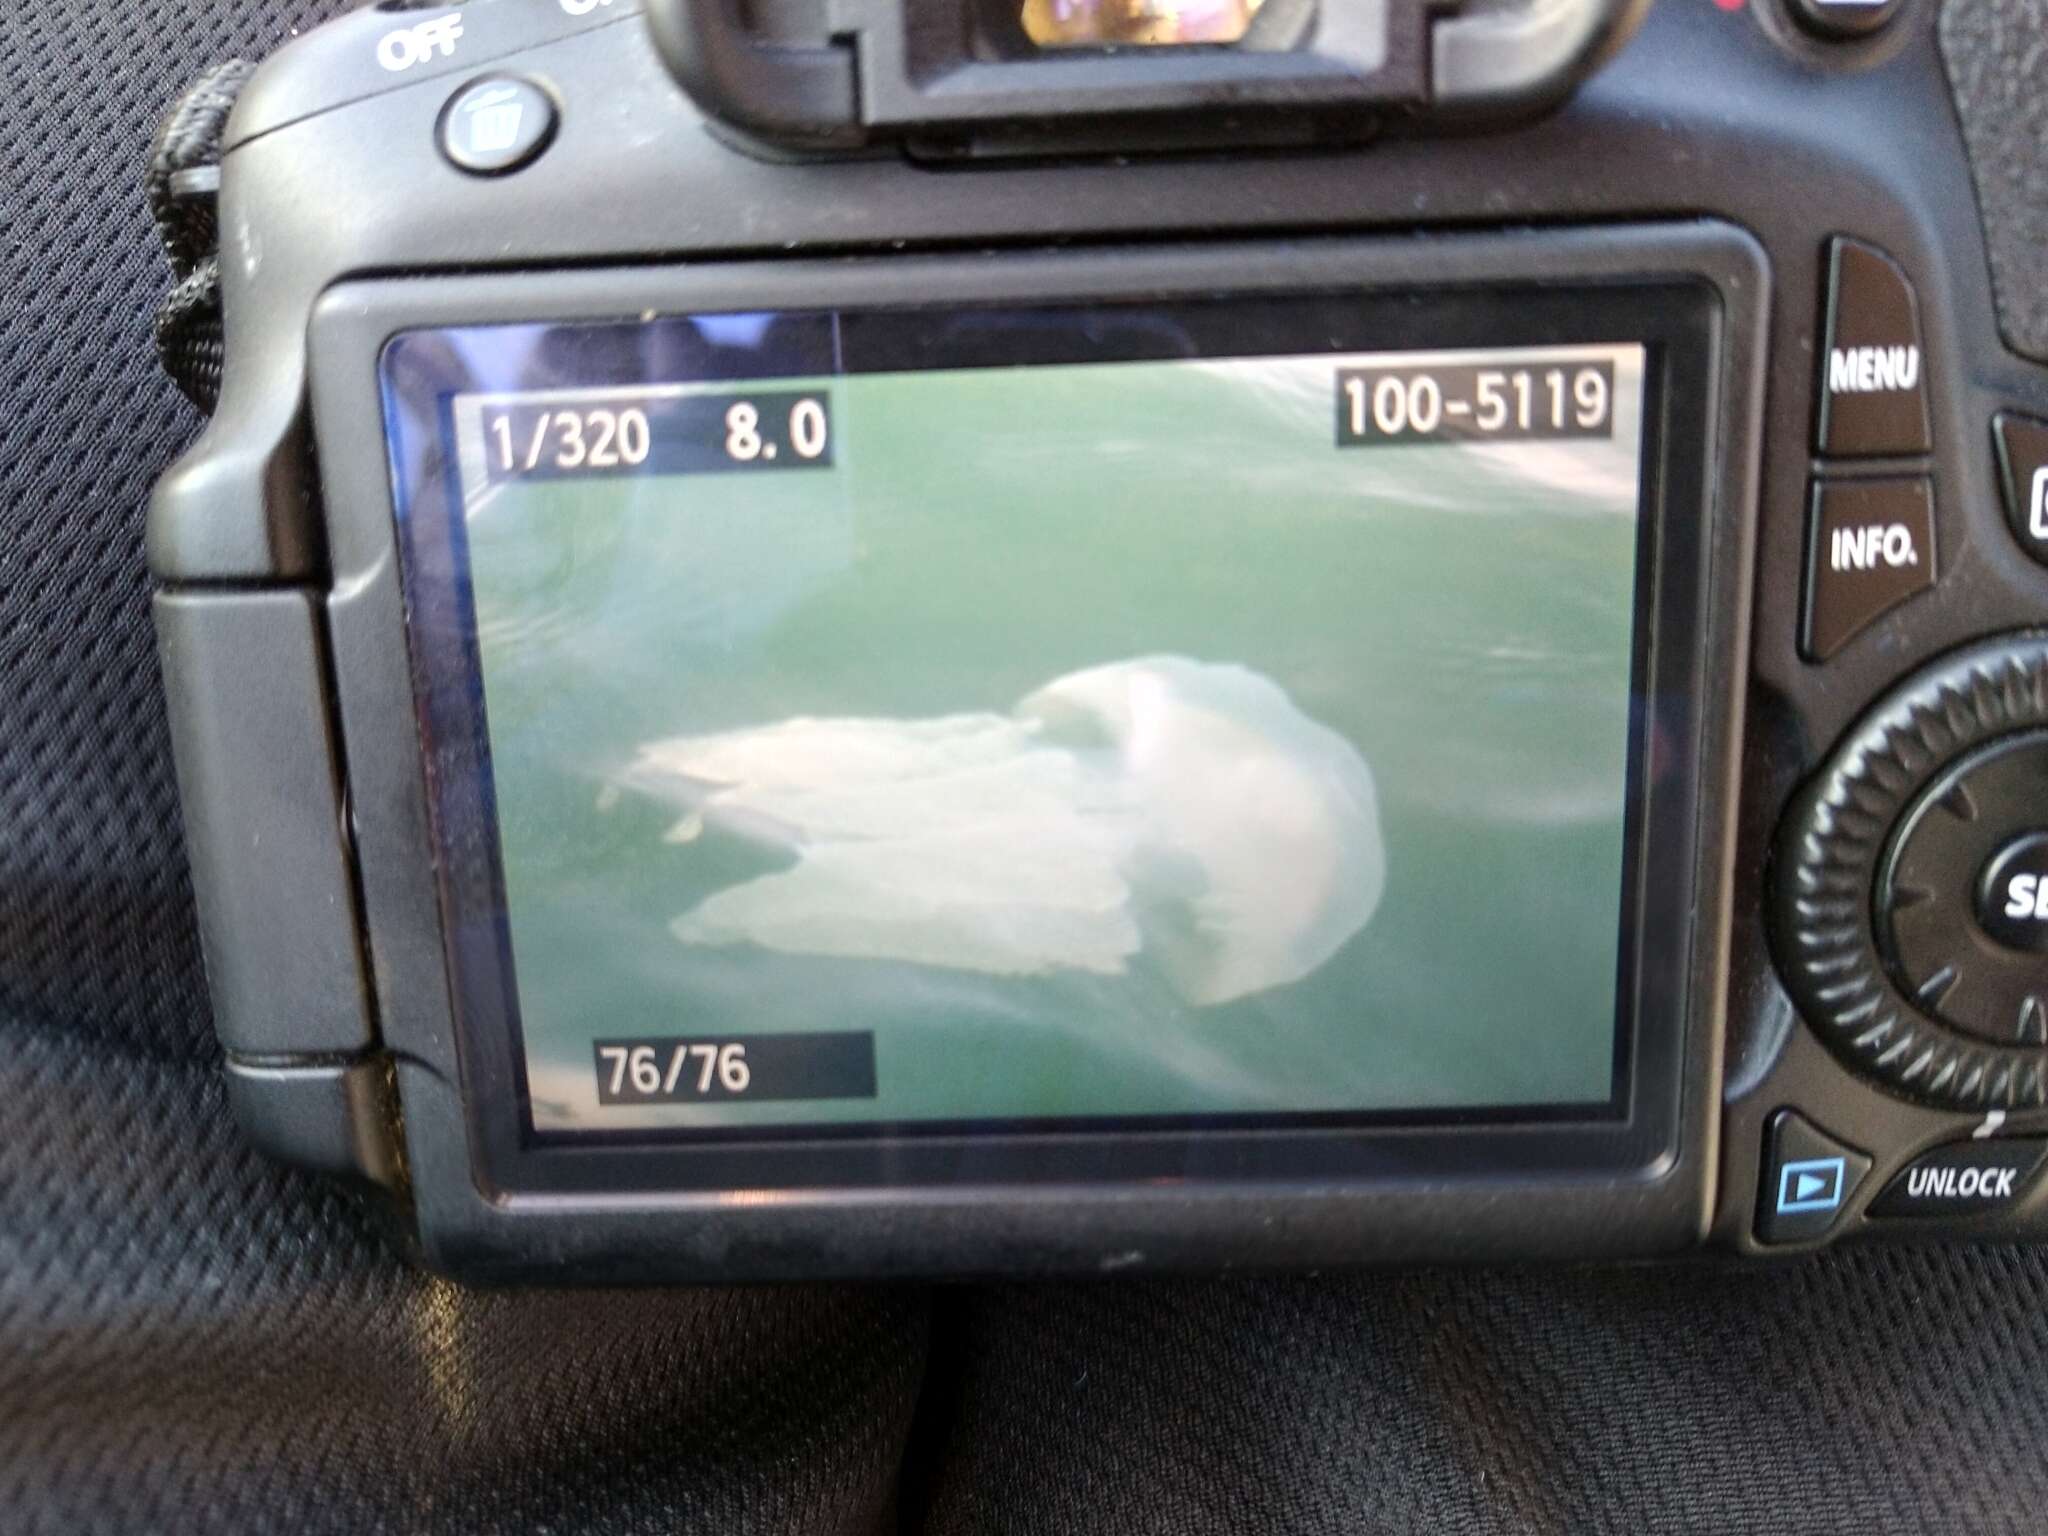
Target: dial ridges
[[1827, 859]]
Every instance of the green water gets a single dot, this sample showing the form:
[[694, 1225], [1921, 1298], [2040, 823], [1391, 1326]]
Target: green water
[[1461, 616]]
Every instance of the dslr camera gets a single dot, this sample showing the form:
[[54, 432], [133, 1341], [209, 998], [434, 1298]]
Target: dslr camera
[[856, 637]]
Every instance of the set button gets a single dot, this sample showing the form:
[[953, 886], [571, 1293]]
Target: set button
[[2012, 893], [1961, 922]]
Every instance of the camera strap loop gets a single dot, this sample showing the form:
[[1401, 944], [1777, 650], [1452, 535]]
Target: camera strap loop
[[182, 183]]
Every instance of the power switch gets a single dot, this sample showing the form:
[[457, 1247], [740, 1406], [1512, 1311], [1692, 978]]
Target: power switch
[[1873, 389]]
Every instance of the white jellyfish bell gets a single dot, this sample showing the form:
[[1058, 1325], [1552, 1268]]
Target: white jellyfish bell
[[1162, 812]]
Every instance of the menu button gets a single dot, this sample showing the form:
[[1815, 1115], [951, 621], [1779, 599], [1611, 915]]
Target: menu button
[[1873, 397], [1862, 370]]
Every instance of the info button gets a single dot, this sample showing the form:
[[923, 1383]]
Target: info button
[[1870, 546]]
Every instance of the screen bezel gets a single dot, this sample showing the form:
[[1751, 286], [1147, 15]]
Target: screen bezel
[[1674, 318]]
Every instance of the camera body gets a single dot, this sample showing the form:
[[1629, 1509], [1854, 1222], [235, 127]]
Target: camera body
[[519, 291]]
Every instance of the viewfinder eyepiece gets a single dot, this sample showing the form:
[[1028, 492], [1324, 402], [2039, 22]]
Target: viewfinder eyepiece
[[1136, 23]]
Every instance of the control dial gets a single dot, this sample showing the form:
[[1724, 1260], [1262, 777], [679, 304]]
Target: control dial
[[1910, 895]]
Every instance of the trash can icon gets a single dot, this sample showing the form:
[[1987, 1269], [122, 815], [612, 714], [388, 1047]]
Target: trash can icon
[[491, 118]]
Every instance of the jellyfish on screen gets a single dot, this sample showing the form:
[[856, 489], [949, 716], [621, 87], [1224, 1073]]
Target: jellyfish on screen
[[1181, 815]]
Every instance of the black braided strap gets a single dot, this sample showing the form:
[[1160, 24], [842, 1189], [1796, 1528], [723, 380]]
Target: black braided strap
[[1829, 847], [186, 148]]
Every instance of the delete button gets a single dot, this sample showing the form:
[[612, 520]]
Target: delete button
[[1869, 547]]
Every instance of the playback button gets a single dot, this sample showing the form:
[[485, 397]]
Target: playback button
[[1808, 1179], [1965, 1178]]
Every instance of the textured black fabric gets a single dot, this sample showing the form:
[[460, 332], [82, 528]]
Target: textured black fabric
[[96, 933], [190, 1338], [1997, 56], [1866, 1393]]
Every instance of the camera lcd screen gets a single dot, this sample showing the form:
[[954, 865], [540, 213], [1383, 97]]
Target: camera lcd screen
[[912, 722]]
